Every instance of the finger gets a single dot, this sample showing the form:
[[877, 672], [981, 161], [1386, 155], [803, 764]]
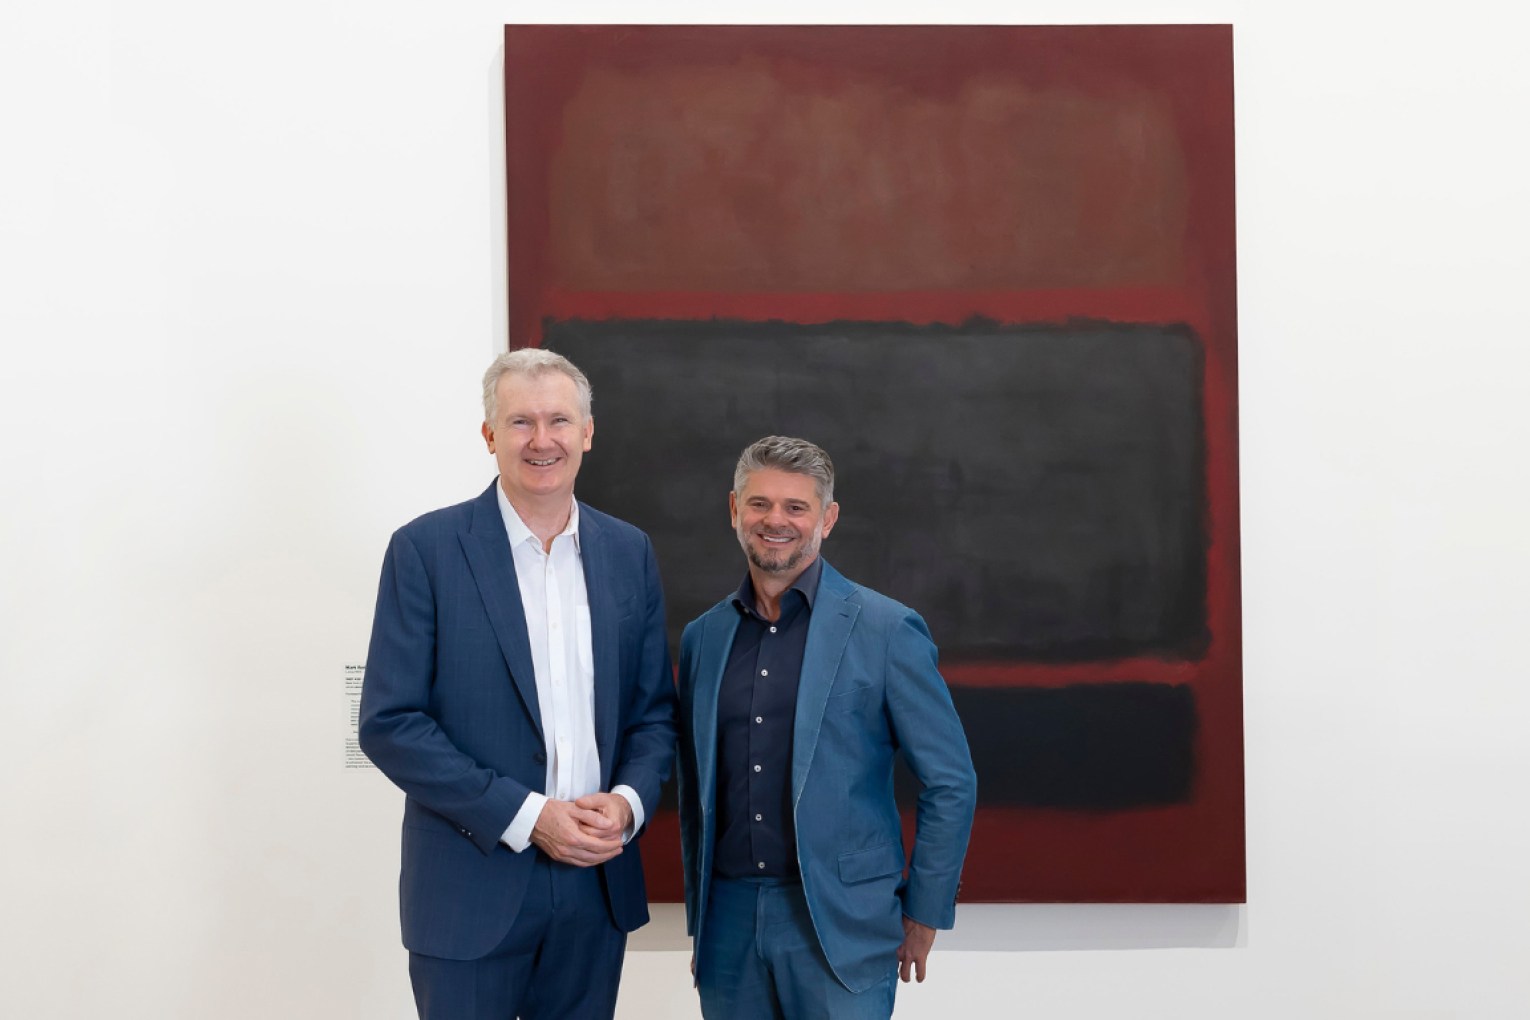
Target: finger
[[903, 965], [570, 855], [608, 807], [592, 819], [594, 853], [919, 969], [588, 859], [584, 835], [598, 841]]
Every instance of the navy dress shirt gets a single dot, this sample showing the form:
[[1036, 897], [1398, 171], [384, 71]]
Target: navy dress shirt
[[756, 712]]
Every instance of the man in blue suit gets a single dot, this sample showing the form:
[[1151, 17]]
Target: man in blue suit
[[518, 690], [796, 692]]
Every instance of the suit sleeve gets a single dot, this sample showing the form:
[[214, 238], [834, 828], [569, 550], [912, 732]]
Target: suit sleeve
[[930, 734], [689, 792], [396, 729], [648, 722]]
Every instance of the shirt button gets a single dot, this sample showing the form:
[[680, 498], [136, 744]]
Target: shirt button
[[762, 865], [764, 672], [759, 818], [772, 630], [757, 768], [759, 718]]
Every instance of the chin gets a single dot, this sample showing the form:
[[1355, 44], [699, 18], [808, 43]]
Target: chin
[[777, 562]]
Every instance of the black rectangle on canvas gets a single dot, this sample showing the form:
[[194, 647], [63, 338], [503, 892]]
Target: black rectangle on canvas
[[1082, 747], [1036, 492]]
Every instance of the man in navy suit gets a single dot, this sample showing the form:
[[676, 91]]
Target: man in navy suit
[[796, 692], [519, 691]]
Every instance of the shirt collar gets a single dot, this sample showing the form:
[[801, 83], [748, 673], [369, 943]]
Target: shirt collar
[[806, 583], [517, 529]]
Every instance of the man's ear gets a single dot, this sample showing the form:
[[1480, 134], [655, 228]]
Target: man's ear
[[830, 516]]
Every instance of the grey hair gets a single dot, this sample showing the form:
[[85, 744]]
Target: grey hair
[[782, 453], [531, 362]]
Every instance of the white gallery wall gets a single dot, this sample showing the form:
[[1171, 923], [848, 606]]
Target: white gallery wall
[[251, 267]]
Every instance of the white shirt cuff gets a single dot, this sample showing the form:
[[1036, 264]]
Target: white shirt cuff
[[518, 836], [630, 795]]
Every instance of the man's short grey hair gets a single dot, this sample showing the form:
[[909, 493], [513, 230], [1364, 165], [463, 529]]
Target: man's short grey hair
[[531, 362], [782, 453]]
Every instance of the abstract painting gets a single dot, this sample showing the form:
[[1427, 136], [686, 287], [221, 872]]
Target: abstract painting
[[992, 271]]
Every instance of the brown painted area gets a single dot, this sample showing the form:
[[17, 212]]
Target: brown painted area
[[783, 176]]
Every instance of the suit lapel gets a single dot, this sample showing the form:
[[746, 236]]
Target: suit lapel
[[487, 548], [828, 634], [712, 659], [605, 636]]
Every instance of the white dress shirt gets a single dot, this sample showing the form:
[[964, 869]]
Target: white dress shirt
[[557, 611]]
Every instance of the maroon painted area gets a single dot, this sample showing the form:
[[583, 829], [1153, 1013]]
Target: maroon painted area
[[565, 87]]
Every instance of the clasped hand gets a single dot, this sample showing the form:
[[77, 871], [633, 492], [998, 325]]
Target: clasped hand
[[584, 832]]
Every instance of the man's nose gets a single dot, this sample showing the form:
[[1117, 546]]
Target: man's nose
[[538, 433]]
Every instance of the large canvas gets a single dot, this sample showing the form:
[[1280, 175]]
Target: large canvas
[[991, 271]]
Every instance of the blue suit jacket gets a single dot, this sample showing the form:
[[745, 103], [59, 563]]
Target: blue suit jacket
[[449, 712], [869, 688]]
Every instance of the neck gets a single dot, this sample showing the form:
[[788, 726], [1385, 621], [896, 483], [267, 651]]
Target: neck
[[546, 517], [769, 586]]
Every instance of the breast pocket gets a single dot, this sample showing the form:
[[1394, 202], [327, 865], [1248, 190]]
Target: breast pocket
[[626, 606], [849, 694]]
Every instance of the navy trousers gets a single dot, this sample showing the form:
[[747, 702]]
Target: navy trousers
[[760, 960], [561, 959]]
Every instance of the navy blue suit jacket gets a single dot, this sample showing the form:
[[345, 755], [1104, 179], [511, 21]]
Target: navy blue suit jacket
[[869, 688], [449, 712]]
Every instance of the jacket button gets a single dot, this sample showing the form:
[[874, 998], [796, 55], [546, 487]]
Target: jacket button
[[540, 758]]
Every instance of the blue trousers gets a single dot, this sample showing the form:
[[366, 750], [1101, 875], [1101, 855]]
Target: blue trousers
[[560, 960], [759, 959]]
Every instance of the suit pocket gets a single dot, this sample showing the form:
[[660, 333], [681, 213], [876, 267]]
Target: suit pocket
[[627, 606], [849, 697], [872, 862]]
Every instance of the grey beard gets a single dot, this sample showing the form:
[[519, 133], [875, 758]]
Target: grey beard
[[803, 552], [776, 567]]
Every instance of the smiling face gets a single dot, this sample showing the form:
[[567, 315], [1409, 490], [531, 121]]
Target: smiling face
[[538, 438], [780, 521]]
